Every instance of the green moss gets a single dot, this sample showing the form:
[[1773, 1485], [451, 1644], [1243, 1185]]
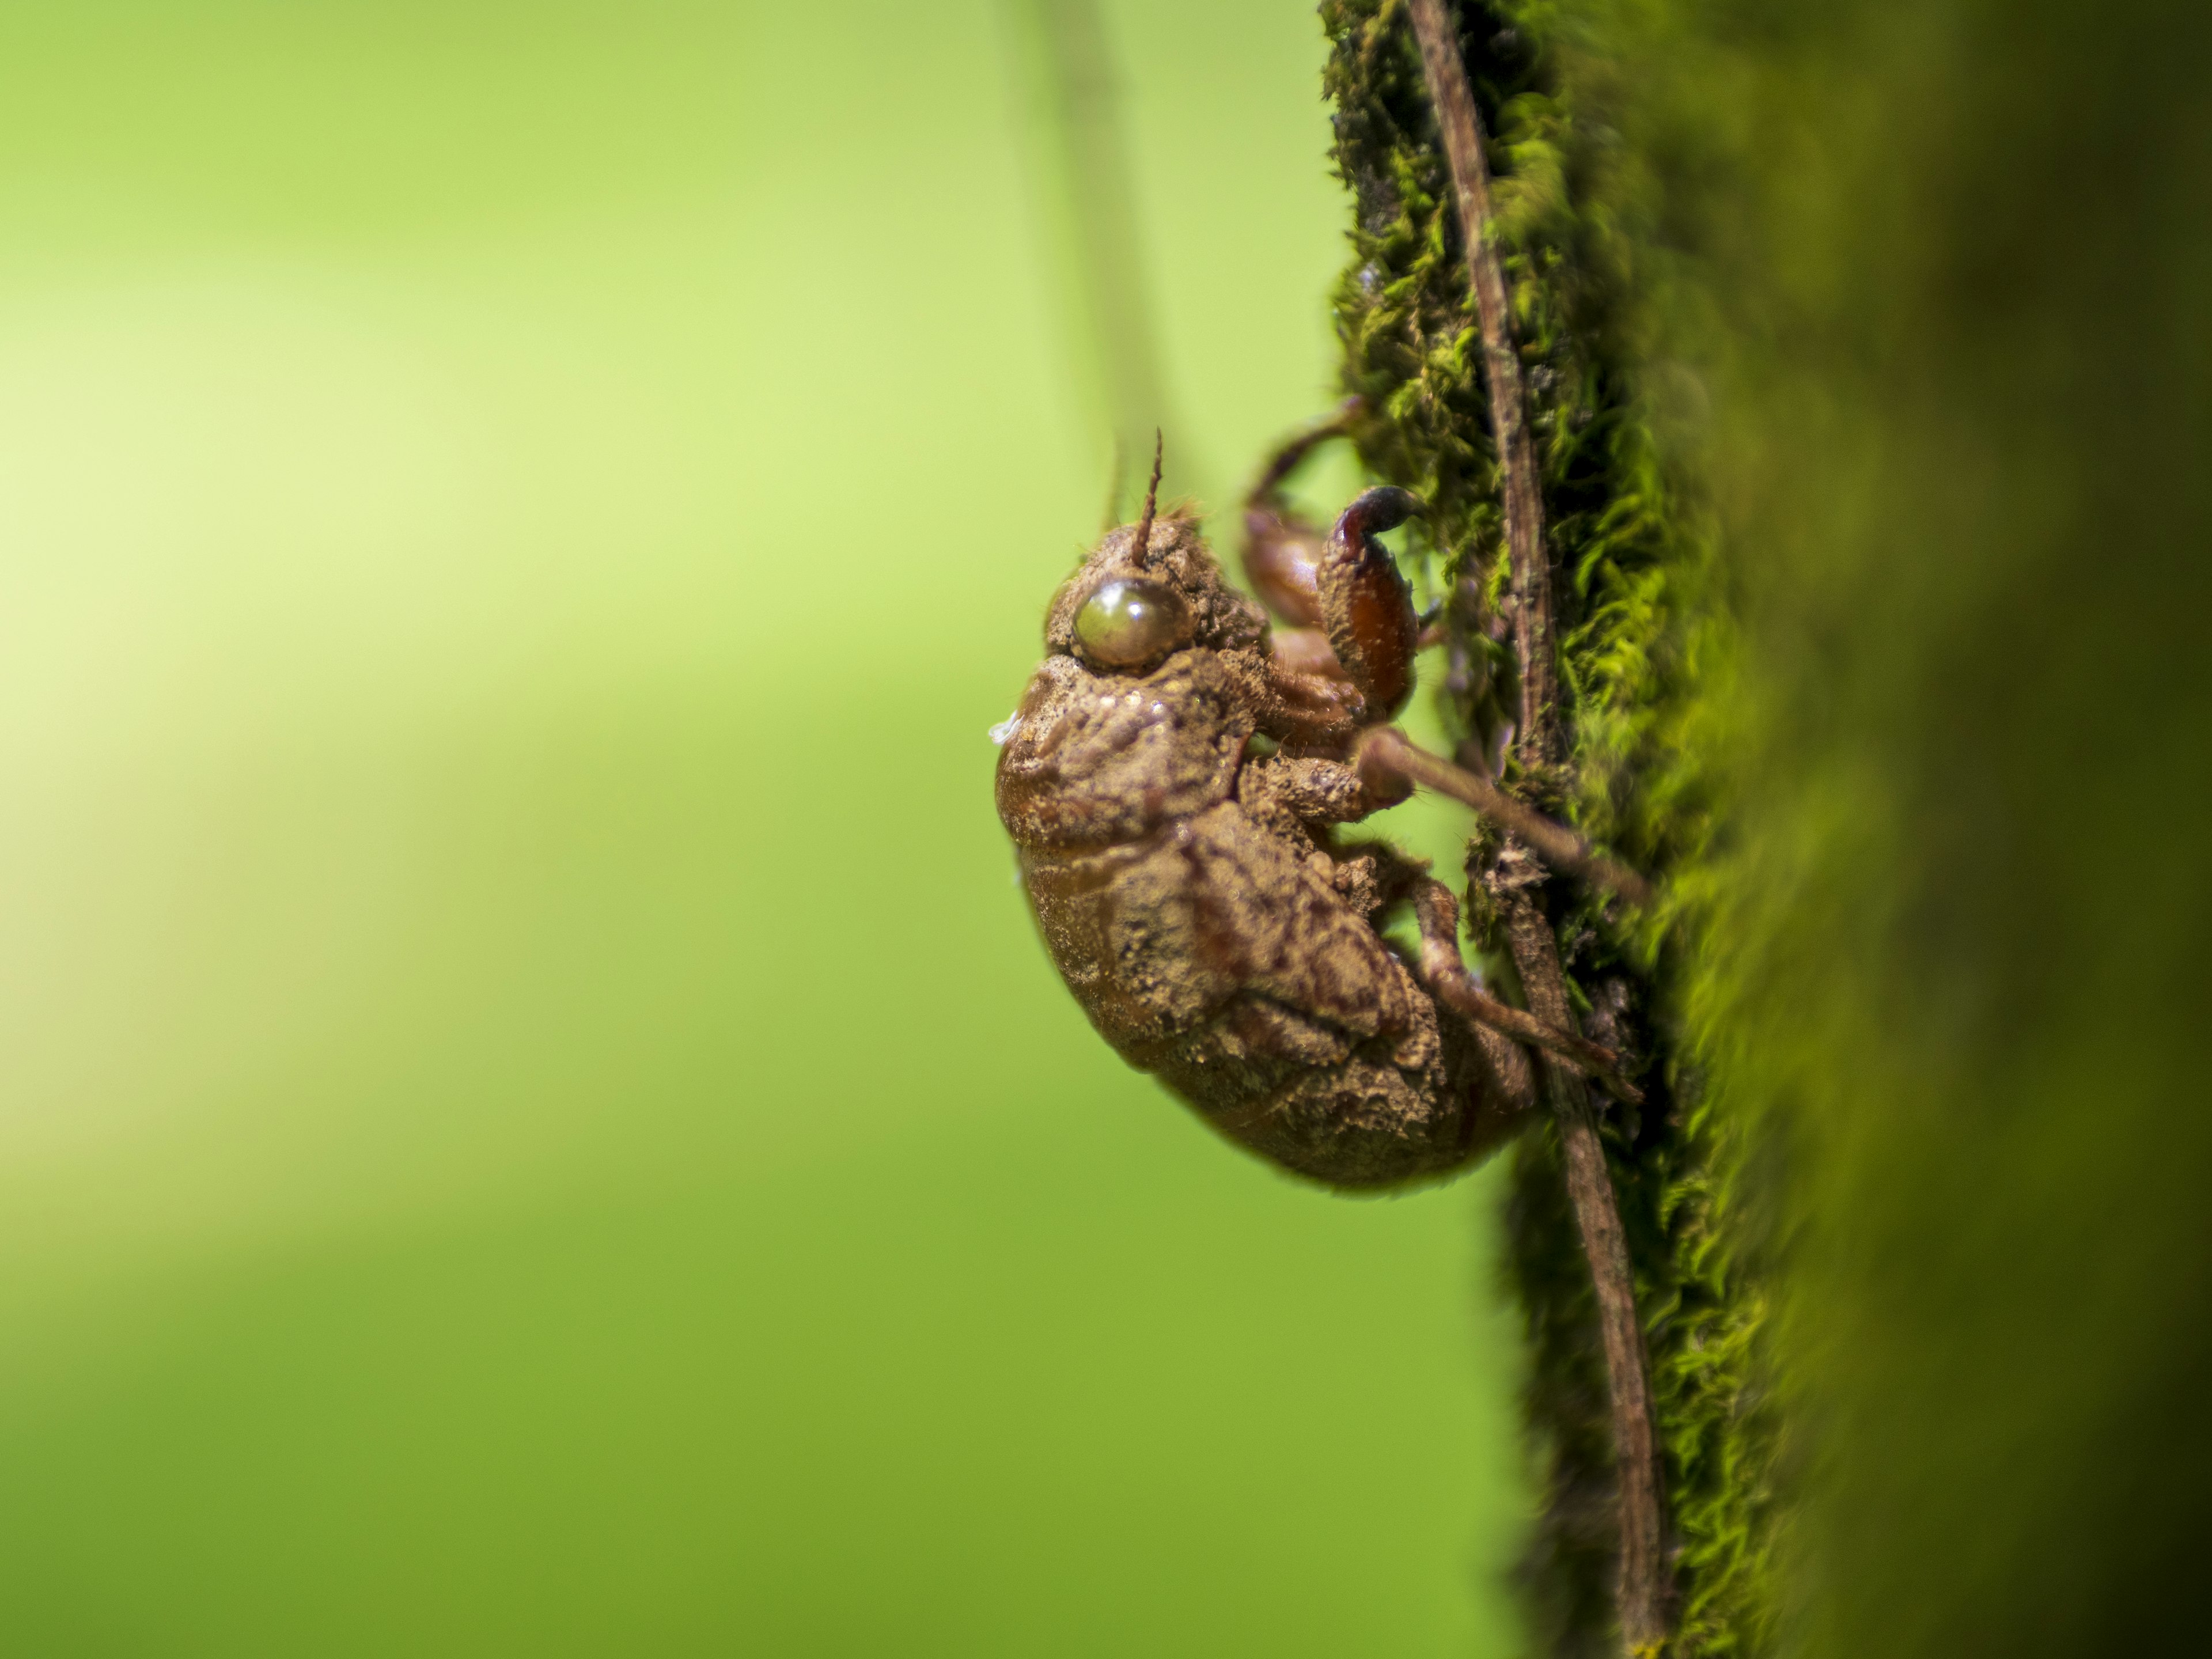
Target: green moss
[[1645, 664], [1915, 294]]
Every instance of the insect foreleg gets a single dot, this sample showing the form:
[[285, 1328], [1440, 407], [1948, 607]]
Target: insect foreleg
[[1366, 605], [1390, 753]]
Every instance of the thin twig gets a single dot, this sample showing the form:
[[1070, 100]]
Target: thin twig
[[1143, 544], [1561, 848], [1642, 1593], [1460, 126]]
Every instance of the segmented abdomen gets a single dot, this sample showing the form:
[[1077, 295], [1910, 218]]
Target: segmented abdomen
[[1211, 955]]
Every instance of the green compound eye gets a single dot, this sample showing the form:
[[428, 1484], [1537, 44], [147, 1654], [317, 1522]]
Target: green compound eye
[[1130, 622]]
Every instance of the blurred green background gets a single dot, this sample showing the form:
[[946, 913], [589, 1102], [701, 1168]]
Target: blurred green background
[[533, 1116]]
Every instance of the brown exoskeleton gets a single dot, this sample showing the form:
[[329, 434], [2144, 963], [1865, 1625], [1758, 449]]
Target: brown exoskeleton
[[1173, 780]]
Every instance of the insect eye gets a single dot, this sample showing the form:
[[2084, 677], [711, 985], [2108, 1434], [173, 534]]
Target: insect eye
[[1130, 622]]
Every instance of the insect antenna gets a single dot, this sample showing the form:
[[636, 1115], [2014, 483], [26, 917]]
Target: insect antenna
[[1143, 544]]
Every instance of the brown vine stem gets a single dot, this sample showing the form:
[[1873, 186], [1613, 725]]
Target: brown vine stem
[[1460, 125], [1641, 1594]]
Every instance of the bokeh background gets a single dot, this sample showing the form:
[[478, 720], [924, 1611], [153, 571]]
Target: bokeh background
[[531, 1116]]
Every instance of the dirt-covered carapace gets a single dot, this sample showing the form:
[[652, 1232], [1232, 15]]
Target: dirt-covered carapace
[[1174, 780]]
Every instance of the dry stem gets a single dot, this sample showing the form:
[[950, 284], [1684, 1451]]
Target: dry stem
[[1642, 1590], [1460, 128], [1642, 1596]]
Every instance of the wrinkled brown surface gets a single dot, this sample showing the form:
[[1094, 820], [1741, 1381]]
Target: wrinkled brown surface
[[1189, 894]]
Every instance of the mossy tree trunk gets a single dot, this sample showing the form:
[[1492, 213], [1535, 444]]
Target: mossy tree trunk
[[1867, 361]]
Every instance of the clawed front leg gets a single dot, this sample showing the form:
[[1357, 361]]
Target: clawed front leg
[[1317, 697], [1367, 609], [1350, 613]]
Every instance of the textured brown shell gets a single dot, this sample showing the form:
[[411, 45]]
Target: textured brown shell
[[1209, 946]]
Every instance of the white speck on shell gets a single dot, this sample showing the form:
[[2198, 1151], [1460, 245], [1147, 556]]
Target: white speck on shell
[[1005, 729]]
